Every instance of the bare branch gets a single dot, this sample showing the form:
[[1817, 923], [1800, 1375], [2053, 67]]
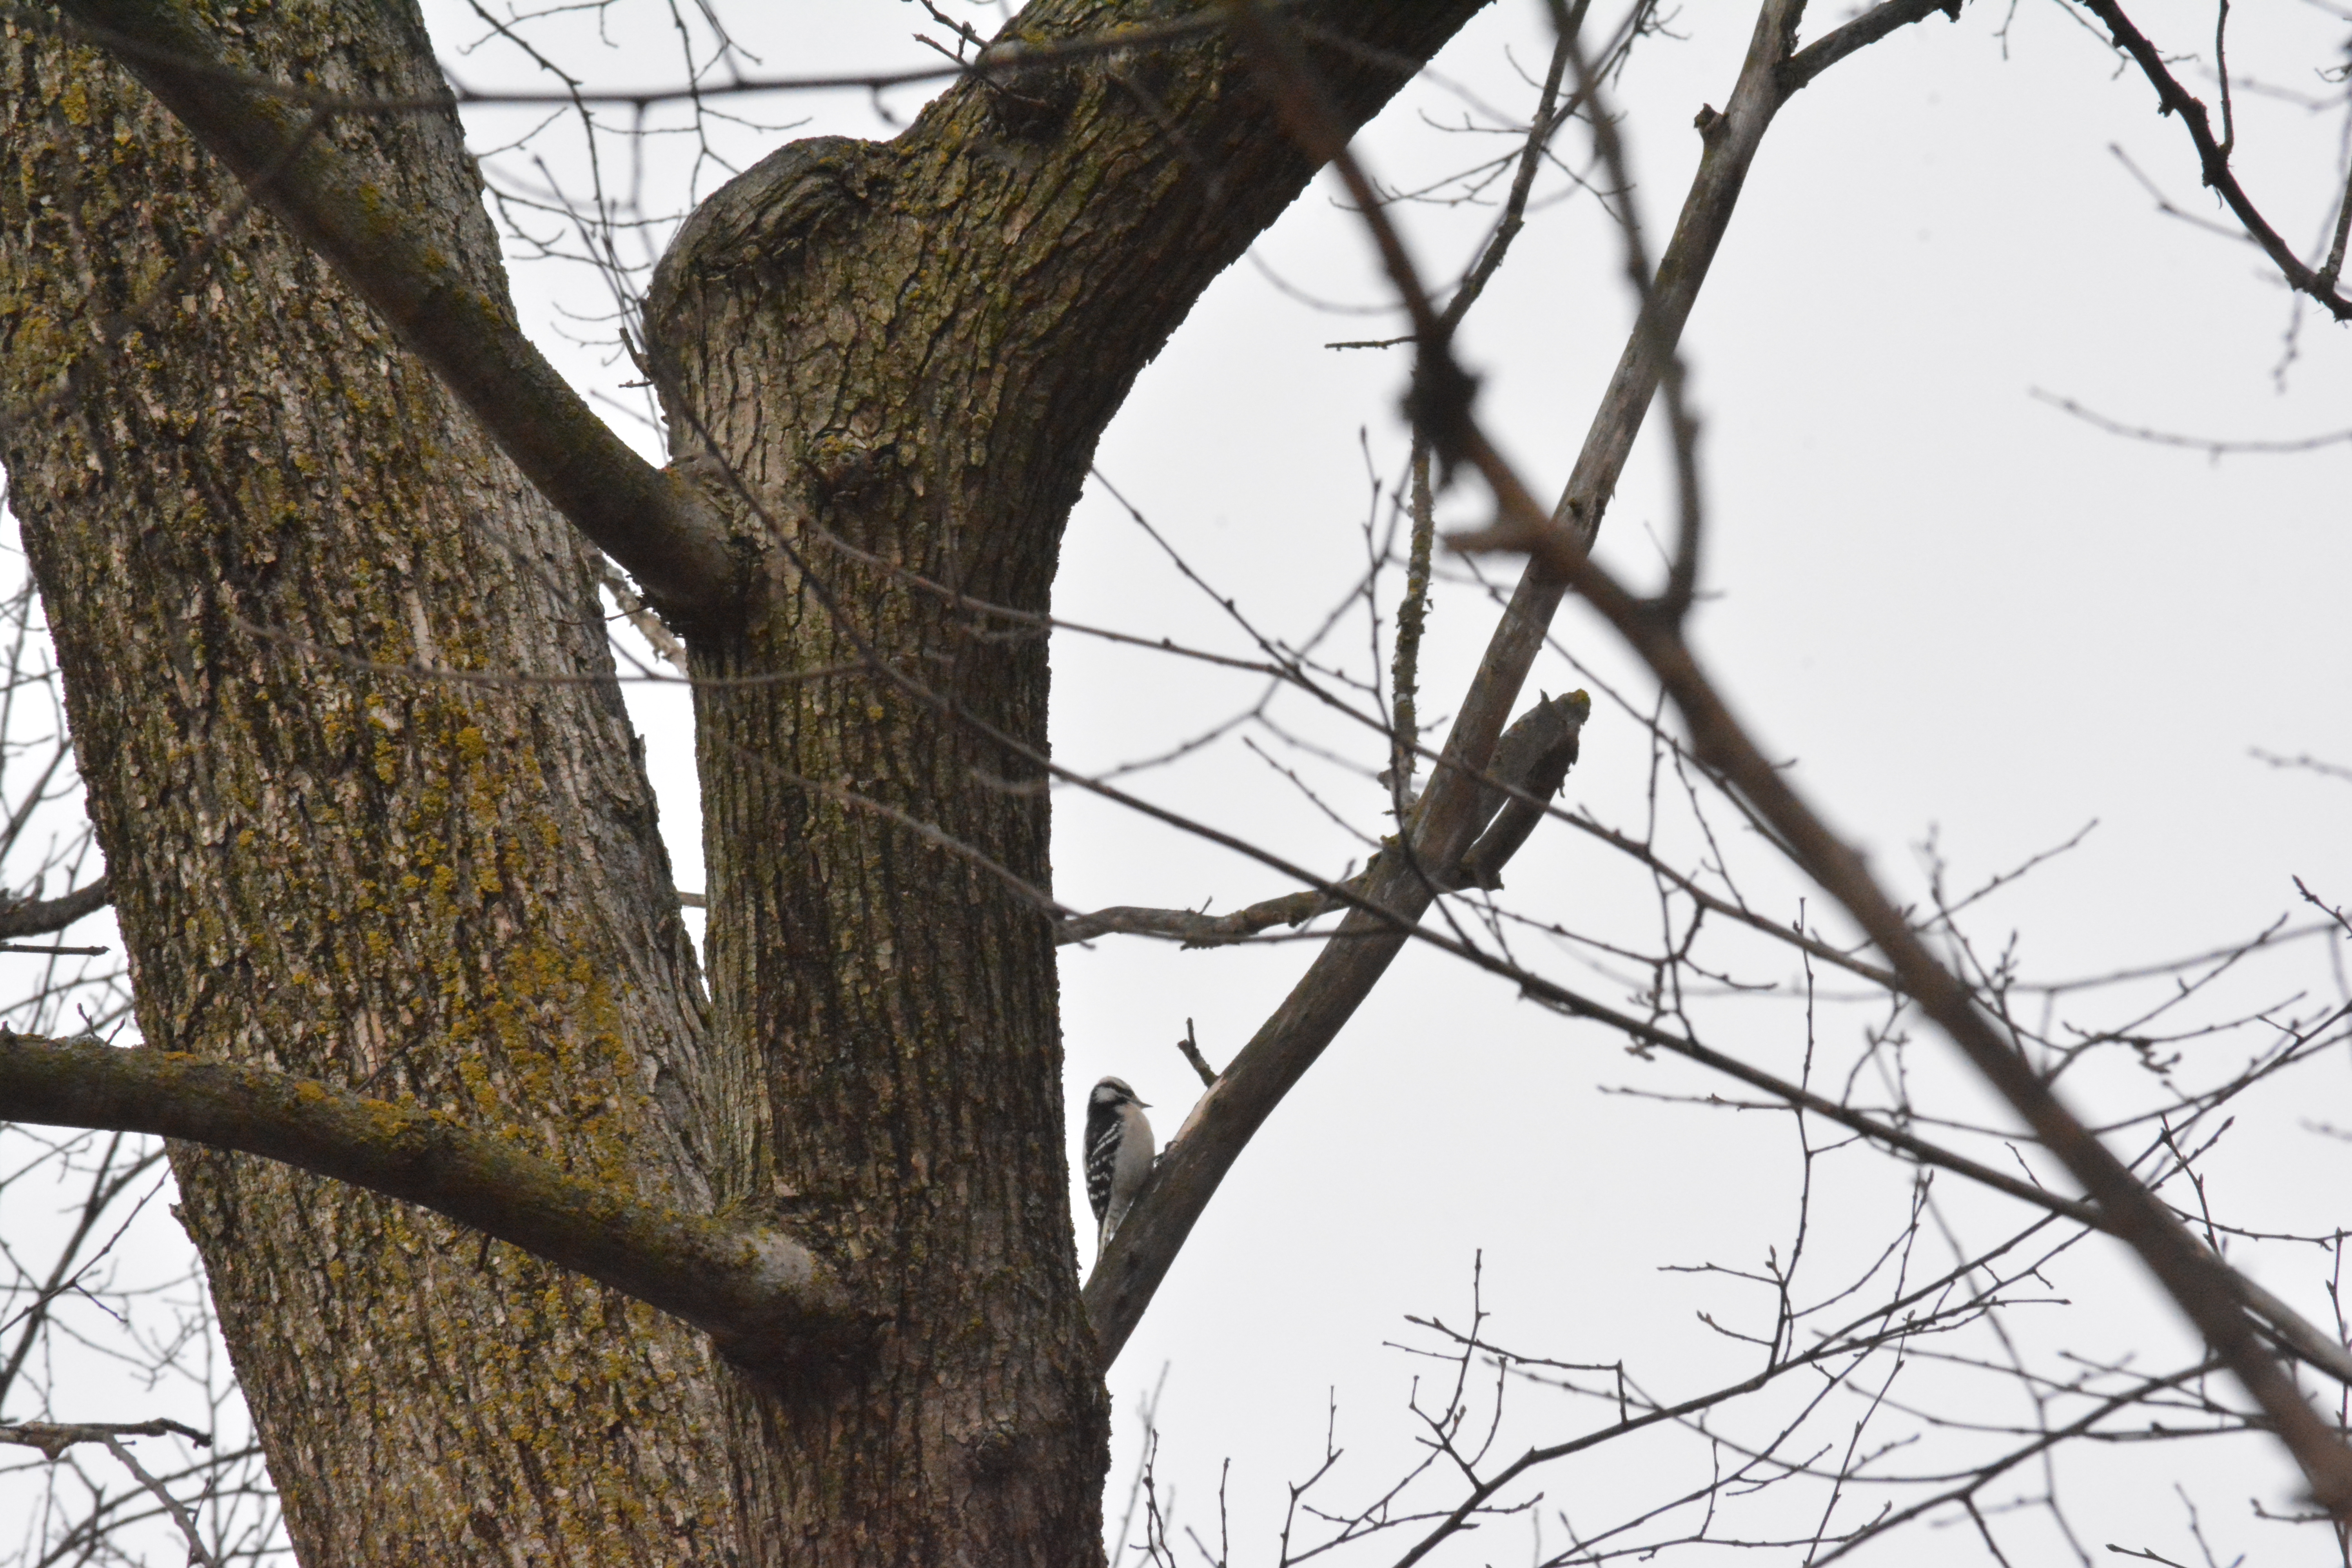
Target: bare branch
[[1192, 1049], [1989, 1473], [1446, 820], [2213, 158], [1550, 116], [2334, 267], [171, 1505], [53, 1439], [2211, 445], [1413, 614], [1194, 928], [2206, 1290], [763, 1298], [1530, 765], [2305, 763]]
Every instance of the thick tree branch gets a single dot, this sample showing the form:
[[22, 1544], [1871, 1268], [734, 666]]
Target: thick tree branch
[[660, 528], [764, 1298], [1446, 821], [42, 915]]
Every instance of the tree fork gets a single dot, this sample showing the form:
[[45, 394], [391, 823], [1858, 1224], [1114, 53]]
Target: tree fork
[[909, 350], [912, 347]]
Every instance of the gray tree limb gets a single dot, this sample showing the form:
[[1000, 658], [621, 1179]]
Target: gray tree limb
[[764, 1298], [41, 916]]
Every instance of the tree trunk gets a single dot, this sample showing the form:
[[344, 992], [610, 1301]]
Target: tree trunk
[[890, 363], [428, 887]]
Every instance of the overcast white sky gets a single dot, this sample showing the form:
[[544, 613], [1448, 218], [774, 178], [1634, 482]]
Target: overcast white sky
[[1956, 609]]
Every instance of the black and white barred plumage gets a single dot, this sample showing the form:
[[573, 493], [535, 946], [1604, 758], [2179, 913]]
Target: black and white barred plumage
[[1119, 1154]]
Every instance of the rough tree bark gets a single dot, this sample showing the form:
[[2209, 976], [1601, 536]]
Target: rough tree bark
[[256, 504], [451, 891]]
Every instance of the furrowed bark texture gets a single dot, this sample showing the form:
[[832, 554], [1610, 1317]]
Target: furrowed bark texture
[[906, 352], [445, 892]]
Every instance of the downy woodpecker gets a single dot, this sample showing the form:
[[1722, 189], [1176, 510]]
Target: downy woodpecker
[[1119, 1154]]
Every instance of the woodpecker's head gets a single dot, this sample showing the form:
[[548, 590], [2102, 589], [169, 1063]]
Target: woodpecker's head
[[1112, 1093]]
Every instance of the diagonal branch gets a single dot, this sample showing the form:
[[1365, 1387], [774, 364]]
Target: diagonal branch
[[171, 1505], [1447, 820], [657, 527], [762, 1297], [1861, 33], [2212, 1296]]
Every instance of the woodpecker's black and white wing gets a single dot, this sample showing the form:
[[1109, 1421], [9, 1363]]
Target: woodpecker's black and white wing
[[1102, 1151], [1118, 1154]]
